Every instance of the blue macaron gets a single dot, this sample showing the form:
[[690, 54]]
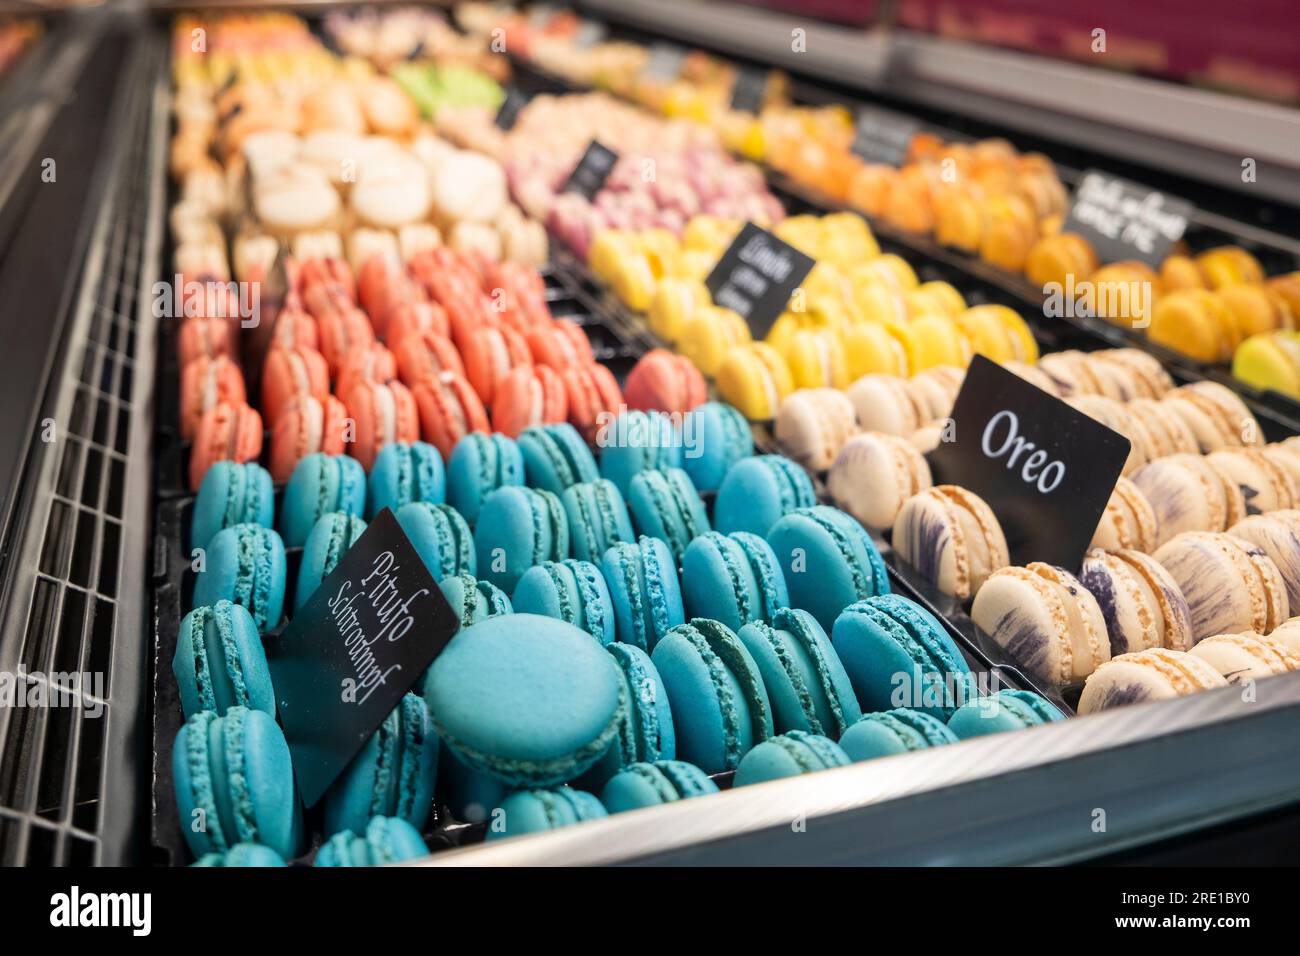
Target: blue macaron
[[806, 683], [441, 538], [383, 840], [473, 600], [533, 811], [555, 456], [231, 493], [220, 662], [245, 564], [650, 784], [829, 561], [758, 491], [598, 518], [393, 775], [328, 542], [643, 585], [636, 441], [665, 505], [896, 731], [719, 704], [531, 700], [998, 713], [404, 472], [714, 437], [320, 484], [241, 855], [479, 465], [732, 578], [789, 755], [647, 731], [897, 655], [573, 591], [469, 794], [234, 783], [518, 528]]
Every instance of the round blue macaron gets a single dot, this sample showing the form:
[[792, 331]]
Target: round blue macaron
[[467, 793], [384, 840], [789, 755], [479, 465], [719, 704], [473, 600], [665, 505], [732, 578], [234, 783], [555, 456], [714, 437], [650, 784], [897, 655], [998, 713], [320, 484], [531, 700], [220, 662], [231, 493], [896, 731], [636, 441], [643, 585], [393, 775], [597, 516], [245, 564], [573, 591], [518, 528], [533, 811], [328, 542], [404, 472], [806, 683], [647, 731], [758, 491], [440, 536], [241, 854], [829, 561]]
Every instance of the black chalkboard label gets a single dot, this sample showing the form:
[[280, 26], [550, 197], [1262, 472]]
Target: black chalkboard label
[[362, 640], [882, 136], [664, 62], [756, 277], [1126, 220], [1045, 468], [592, 171], [749, 89], [508, 114]]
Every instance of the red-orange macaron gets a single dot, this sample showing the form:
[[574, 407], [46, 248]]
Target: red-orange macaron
[[422, 354], [371, 364], [592, 390], [342, 333], [290, 372], [205, 382], [529, 395], [665, 382], [227, 432], [449, 410], [381, 414], [489, 353], [415, 316], [560, 344], [306, 425], [199, 337]]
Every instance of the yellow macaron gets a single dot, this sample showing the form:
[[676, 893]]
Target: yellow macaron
[[674, 302], [934, 298], [755, 379], [816, 359], [932, 340], [874, 348], [709, 334], [1270, 361], [998, 333]]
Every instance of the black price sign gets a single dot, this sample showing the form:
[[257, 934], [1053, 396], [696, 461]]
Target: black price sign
[[1126, 220], [1045, 468], [361, 641], [756, 277], [664, 62], [508, 114], [882, 136], [749, 89], [592, 171]]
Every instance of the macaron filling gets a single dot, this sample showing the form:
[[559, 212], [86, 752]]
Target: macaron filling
[[796, 625], [722, 653], [197, 758]]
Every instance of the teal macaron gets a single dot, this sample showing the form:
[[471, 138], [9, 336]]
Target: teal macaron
[[535, 811], [643, 585], [241, 855], [328, 542], [732, 578], [806, 683], [393, 775], [719, 705], [245, 564], [758, 491], [665, 505], [234, 783], [467, 793], [650, 784], [636, 441], [998, 713], [231, 493], [647, 731], [530, 700], [598, 518], [896, 654], [479, 465], [896, 731], [555, 456], [404, 472], [518, 528], [318, 485], [714, 437], [473, 600], [220, 662], [573, 591], [384, 840], [829, 561], [441, 538], [789, 755]]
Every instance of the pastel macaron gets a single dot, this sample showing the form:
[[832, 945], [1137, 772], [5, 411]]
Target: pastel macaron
[[1231, 584], [1246, 657], [473, 600], [1277, 534], [245, 564], [952, 538], [441, 538], [813, 424], [573, 591], [732, 578], [220, 662], [758, 491], [874, 474], [228, 431], [598, 518], [518, 528], [534, 811], [404, 472], [328, 542], [647, 732], [714, 437], [896, 731], [1141, 602], [1154, 674], [789, 755], [636, 441], [232, 493], [641, 785], [664, 504], [319, 485], [645, 591], [663, 381], [1001, 712], [383, 840], [555, 457], [241, 855], [479, 465]]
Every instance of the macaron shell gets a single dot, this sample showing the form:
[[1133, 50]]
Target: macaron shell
[[328, 542], [598, 518], [1278, 535], [555, 457], [517, 528], [662, 381], [643, 585], [714, 437], [828, 560], [231, 493], [1155, 674], [874, 474], [1224, 590], [441, 538], [320, 484], [479, 465], [265, 577], [1025, 615], [664, 504], [572, 591], [813, 425], [404, 472], [756, 492], [220, 662], [651, 784], [527, 396], [1243, 657], [789, 755]]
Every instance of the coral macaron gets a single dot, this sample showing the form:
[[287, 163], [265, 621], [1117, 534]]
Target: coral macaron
[[426, 354], [306, 425], [560, 345], [592, 390], [449, 410], [490, 353], [529, 395], [381, 414], [665, 382], [207, 381], [287, 373], [227, 432]]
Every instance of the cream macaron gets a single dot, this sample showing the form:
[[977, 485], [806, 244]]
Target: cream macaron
[[883, 403], [952, 538], [874, 474], [1278, 535], [1216, 415], [813, 424], [1153, 674], [1247, 656], [1189, 495], [1141, 602], [1115, 416], [1231, 585], [1128, 521], [1265, 485]]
